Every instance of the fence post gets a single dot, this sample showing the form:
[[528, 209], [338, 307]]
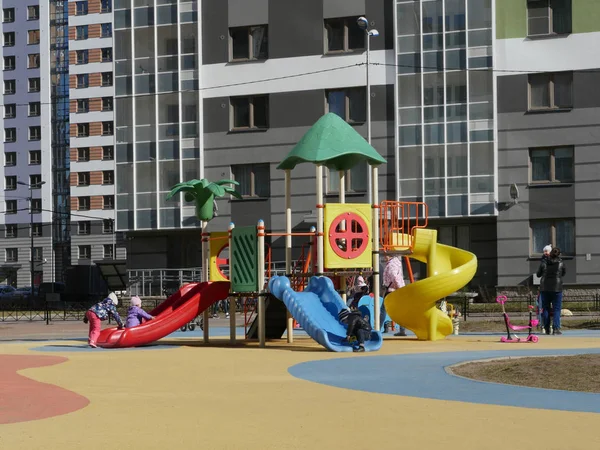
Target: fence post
[[465, 308]]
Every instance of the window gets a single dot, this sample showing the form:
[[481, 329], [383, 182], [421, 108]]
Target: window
[[343, 35], [35, 109], [109, 251], [107, 226], [83, 227], [83, 105], [83, 129], [107, 55], [35, 181], [355, 179], [33, 37], [81, 32], [35, 133], [9, 39], [36, 206], [10, 87], [248, 43], [107, 128], [37, 230], [349, 104], [81, 8], [33, 61], [551, 90], [106, 6], [254, 179], [10, 111], [34, 85], [12, 231], [545, 17], [83, 179], [83, 154], [10, 183], [108, 153], [108, 177], [82, 80], [83, 203], [8, 15], [10, 159], [107, 79], [10, 135], [33, 12], [249, 112], [85, 251], [12, 254], [11, 206], [35, 157], [82, 56], [38, 253], [9, 63], [552, 165], [108, 202], [106, 30], [559, 233], [107, 103]]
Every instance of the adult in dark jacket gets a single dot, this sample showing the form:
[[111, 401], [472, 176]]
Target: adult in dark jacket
[[551, 271]]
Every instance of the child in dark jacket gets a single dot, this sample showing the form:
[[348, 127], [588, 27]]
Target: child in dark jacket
[[135, 313], [357, 328]]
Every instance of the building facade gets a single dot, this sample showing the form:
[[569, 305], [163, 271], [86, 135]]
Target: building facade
[[91, 121], [548, 137], [25, 54]]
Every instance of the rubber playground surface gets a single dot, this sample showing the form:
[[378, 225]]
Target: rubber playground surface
[[180, 393]]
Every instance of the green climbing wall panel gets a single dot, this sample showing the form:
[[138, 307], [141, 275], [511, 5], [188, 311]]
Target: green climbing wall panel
[[244, 259]]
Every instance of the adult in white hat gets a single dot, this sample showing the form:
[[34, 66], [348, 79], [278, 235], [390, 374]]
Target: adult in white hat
[[99, 312]]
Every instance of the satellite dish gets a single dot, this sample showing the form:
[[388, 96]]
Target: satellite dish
[[514, 192]]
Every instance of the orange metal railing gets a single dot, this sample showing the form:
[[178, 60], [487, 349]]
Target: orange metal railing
[[397, 222]]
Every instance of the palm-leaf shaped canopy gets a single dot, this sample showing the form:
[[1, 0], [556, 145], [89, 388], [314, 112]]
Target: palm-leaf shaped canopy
[[203, 193]]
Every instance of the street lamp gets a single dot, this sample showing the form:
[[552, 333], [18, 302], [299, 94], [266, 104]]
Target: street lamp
[[31, 186], [363, 24]]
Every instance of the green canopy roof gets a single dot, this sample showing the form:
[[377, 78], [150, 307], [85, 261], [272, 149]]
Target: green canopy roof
[[332, 143]]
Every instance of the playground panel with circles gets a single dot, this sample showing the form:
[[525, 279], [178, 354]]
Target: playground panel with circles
[[347, 240]]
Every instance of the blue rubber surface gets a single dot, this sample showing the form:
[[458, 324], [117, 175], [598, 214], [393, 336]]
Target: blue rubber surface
[[423, 375], [316, 310]]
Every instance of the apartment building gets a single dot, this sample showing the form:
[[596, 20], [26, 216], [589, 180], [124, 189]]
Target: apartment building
[[91, 121], [548, 137], [26, 167]]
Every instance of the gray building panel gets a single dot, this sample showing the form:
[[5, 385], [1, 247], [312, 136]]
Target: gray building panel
[[380, 14], [551, 202], [296, 108], [215, 32], [585, 90], [295, 28], [217, 121], [248, 12], [343, 8], [512, 94]]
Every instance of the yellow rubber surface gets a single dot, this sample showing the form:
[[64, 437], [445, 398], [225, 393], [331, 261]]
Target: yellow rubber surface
[[244, 398]]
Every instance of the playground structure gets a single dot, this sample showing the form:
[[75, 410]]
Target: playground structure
[[347, 241]]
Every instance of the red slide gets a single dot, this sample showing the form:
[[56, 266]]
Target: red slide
[[179, 309]]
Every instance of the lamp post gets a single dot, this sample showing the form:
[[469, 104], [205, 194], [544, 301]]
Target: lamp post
[[30, 198], [363, 24]]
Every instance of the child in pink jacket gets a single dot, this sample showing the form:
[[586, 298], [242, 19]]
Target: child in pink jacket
[[393, 278]]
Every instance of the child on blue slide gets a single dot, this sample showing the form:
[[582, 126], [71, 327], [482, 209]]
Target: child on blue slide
[[358, 329]]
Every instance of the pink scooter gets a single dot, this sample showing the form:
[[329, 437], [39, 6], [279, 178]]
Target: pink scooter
[[512, 337]]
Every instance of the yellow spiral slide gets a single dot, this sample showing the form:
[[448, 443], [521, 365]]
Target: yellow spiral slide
[[448, 270]]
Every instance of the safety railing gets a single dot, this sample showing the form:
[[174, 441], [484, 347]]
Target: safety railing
[[397, 222]]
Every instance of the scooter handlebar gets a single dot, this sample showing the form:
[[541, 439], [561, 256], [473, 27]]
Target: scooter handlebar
[[501, 299]]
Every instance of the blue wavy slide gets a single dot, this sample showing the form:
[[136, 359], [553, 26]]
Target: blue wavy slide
[[316, 310]]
